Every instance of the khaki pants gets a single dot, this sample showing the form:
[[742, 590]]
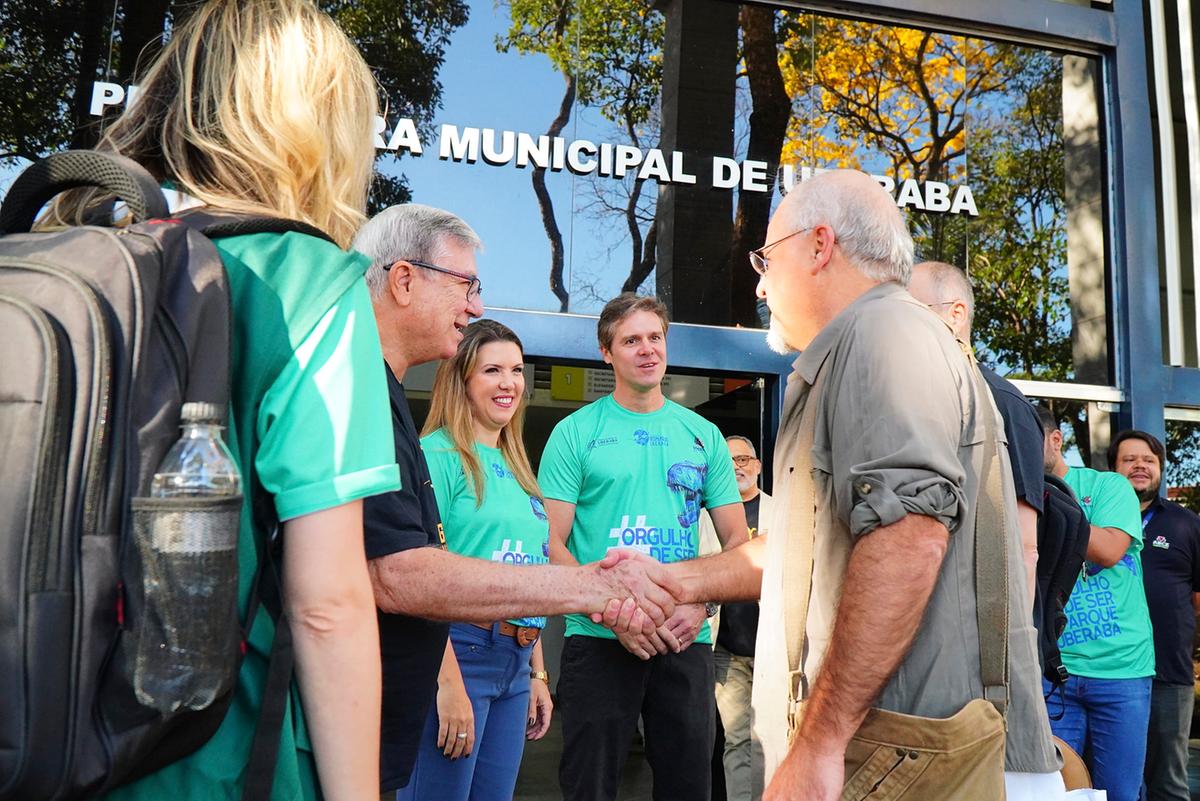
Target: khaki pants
[[896, 757], [735, 677]]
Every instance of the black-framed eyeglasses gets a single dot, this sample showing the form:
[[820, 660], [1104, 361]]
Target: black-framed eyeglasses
[[758, 258], [474, 286], [742, 461]]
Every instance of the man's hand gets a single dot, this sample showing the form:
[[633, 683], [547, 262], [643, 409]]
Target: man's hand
[[681, 628], [809, 772], [641, 645], [630, 575]]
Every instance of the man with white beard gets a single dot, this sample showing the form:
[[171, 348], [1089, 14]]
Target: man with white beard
[[880, 665]]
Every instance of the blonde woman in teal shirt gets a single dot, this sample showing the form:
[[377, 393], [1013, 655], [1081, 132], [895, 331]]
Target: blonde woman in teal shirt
[[493, 690]]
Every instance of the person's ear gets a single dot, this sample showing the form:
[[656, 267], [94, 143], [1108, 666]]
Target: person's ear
[[400, 283], [823, 241], [606, 354], [959, 310]]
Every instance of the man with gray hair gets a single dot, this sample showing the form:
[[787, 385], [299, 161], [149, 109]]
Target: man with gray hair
[[874, 682], [425, 289]]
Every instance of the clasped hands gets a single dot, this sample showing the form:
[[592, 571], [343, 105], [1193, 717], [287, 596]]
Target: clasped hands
[[646, 608]]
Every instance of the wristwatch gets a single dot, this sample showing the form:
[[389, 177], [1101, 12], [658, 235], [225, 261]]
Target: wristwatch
[[544, 675], [711, 608]]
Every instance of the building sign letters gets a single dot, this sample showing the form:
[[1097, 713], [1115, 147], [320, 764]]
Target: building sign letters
[[498, 148]]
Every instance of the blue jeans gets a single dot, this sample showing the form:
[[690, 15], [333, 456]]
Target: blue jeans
[[495, 671], [1167, 743], [1105, 720]]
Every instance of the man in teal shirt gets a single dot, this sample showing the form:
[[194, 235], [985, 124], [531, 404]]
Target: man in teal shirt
[[1108, 645], [633, 470]]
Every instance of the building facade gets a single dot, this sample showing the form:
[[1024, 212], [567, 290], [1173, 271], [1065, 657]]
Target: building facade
[[1045, 147]]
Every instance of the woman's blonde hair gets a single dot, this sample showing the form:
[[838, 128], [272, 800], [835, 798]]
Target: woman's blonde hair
[[256, 106], [450, 408]]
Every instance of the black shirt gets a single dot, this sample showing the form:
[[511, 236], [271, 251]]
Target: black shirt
[[739, 620], [1171, 570], [1024, 433], [411, 647]]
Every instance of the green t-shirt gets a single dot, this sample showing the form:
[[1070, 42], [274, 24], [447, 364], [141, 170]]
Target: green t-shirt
[[1108, 634], [309, 415], [637, 481], [509, 527]]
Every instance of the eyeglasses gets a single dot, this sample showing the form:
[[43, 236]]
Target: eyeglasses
[[742, 461], [758, 258], [474, 287]]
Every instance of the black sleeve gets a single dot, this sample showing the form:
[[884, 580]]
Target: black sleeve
[[393, 522], [1195, 528], [1024, 433]]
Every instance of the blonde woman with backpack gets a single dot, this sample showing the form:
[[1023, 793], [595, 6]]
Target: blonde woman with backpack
[[265, 108]]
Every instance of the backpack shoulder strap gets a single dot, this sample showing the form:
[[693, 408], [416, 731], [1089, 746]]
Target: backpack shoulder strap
[[217, 224]]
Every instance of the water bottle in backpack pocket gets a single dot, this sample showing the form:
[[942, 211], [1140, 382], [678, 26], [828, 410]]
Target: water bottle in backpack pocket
[[186, 535]]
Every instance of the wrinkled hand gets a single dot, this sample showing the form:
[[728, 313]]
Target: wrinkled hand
[[455, 716], [540, 709], [681, 628], [643, 591], [808, 773], [641, 645]]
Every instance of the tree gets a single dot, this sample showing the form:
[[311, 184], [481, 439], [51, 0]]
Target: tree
[[1019, 241], [50, 60], [1182, 473], [609, 55], [768, 124], [895, 94]]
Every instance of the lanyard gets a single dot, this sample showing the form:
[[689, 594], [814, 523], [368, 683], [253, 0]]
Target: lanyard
[[1147, 516]]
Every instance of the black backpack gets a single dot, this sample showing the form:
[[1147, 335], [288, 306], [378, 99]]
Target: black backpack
[[1063, 534], [107, 332]]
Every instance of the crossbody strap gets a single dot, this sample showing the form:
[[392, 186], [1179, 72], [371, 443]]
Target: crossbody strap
[[991, 557], [800, 534]]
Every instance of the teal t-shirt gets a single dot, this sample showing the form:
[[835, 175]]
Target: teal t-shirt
[[637, 481], [509, 527], [1108, 634], [308, 415]]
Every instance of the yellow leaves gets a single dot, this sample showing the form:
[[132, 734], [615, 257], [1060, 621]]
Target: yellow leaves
[[869, 91]]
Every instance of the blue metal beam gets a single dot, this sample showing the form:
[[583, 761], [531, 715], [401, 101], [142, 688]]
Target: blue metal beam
[[1048, 23]]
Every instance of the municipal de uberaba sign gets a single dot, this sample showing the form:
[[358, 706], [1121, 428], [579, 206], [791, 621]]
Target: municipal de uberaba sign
[[523, 150]]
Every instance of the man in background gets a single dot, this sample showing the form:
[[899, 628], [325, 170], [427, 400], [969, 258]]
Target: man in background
[[736, 628], [1107, 646], [1171, 561]]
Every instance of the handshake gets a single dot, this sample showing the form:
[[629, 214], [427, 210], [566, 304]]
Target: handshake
[[643, 603]]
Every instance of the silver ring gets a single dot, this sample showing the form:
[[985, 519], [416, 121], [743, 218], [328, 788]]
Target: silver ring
[[462, 735]]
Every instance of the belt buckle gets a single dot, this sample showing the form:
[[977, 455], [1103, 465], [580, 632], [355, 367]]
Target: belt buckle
[[527, 635]]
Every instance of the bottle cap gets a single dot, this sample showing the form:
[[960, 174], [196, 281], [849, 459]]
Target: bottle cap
[[203, 413]]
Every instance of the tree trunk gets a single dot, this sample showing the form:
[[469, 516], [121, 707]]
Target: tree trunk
[[546, 206], [768, 127], [96, 25], [647, 263], [141, 38]]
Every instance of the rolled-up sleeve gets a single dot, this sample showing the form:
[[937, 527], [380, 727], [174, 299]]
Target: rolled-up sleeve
[[896, 426]]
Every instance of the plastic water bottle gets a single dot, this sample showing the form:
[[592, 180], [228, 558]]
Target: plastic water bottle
[[199, 465], [186, 534]]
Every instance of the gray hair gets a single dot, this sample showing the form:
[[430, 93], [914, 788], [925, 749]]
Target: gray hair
[[950, 284], [409, 231], [749, 444], [870, 230]]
